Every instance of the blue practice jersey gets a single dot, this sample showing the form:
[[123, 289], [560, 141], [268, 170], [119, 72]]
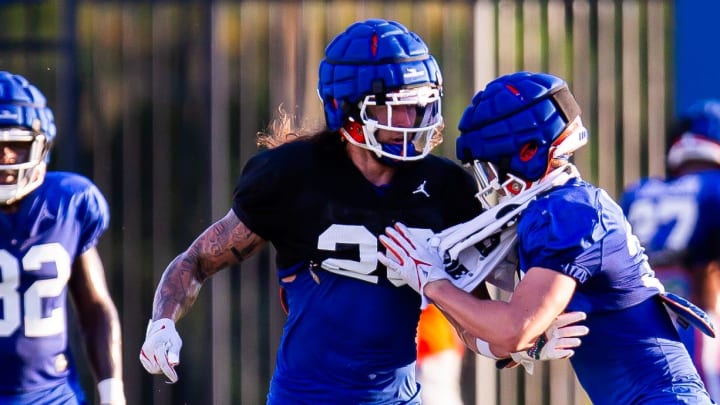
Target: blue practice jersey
[[677, 220], [55, 224], [350, 332], [633, 354]]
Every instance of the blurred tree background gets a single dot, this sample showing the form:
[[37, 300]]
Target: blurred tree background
[[159, 103]]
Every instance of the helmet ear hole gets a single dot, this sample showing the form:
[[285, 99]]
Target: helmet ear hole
[[528, 151], [355, 131]]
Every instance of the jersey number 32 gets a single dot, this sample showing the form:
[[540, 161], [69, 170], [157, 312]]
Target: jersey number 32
[[14, 304]]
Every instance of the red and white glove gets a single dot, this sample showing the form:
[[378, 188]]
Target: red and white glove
[[411, 259], [161, 351], [556, 343]]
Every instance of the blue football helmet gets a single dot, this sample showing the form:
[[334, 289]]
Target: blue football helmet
[[696, 135], [514, 128], [27, 132], [380, 63]]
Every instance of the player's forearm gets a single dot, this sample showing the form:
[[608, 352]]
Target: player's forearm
[[178, 288], [225, 243], [102, 332], [491, 321], [467, 338]]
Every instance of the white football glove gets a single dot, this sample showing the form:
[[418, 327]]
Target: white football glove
[[161, 351], [557, 342], [410, 259]]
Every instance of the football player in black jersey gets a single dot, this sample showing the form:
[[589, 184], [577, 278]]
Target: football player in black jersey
[[322, 201]]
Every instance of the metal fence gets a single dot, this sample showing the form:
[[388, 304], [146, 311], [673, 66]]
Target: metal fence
[[159, 103]]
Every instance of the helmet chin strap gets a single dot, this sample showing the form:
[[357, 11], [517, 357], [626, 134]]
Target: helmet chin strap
[[394, 149]]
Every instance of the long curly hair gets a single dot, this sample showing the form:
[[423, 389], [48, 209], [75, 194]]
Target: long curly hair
[[284, 128]]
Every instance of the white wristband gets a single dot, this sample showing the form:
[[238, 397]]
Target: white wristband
[[111, 391], [483, 348]]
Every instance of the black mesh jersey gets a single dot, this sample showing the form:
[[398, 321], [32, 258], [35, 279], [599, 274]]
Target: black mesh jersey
[[312, 203], [350, 331]]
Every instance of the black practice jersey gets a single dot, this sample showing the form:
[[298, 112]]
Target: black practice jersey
[[350, 332]]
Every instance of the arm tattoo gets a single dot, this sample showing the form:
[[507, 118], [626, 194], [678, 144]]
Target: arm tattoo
[[225, 243], [237, 254], [178, 289]]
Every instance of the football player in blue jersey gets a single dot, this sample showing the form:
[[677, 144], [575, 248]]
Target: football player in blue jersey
[[322, 200], [575, 251], [50, 223], [677, 221]]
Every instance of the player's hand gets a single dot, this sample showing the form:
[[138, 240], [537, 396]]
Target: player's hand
[[557, 342], [410, 258], [161, 351]]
